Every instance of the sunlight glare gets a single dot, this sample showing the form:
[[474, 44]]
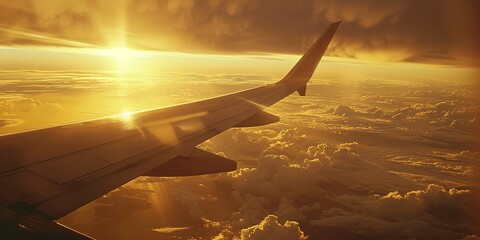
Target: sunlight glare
[[122, 56]]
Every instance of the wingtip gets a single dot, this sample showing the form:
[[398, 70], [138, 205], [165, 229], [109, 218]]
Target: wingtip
[[303, 70]]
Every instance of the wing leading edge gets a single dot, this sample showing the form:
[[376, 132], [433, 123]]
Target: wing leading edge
[[98, 156]]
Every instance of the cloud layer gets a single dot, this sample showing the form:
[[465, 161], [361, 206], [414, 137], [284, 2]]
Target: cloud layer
[[355, 159]]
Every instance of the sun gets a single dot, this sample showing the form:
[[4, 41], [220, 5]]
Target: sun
[[122, 57]]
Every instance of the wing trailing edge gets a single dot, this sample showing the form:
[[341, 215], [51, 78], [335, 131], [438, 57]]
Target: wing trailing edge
[[199, 162], [35, 226], [259, 119]]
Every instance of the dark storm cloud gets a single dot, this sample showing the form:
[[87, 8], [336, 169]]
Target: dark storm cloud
[[419, 31]]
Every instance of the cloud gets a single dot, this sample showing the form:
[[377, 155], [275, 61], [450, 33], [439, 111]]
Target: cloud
[[190, 200], [19, 104], [425, 111], [170, 229], [317, 158], [298, 191], [471, 237], [465, 156], [270, 228], [415, 214], [10, 122], [343, 110], [346, 151], [434, 200], [472, 125]]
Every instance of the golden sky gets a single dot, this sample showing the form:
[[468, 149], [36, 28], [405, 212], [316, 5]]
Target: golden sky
[[429, 31]]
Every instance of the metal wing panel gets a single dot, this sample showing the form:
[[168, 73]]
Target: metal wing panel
[[27, 148], [67, 168], [21, 185]]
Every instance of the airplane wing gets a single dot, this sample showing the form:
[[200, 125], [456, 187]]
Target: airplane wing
[[47, 173]]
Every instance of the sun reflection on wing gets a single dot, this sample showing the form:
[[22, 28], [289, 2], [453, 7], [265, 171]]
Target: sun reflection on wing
[[127, 119], [127, 116]]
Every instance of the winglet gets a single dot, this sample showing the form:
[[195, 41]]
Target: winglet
[[301, 73]]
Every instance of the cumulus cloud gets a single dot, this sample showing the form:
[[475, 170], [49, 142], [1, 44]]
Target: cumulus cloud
[[343, 110], [317, 158], [434, 200], [348, 111], [432, 213], [302, 191], [270, 228], [345, 151]]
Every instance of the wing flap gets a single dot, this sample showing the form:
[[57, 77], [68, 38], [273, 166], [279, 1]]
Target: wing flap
[[259, 119], [59, 202], [200, 162]]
